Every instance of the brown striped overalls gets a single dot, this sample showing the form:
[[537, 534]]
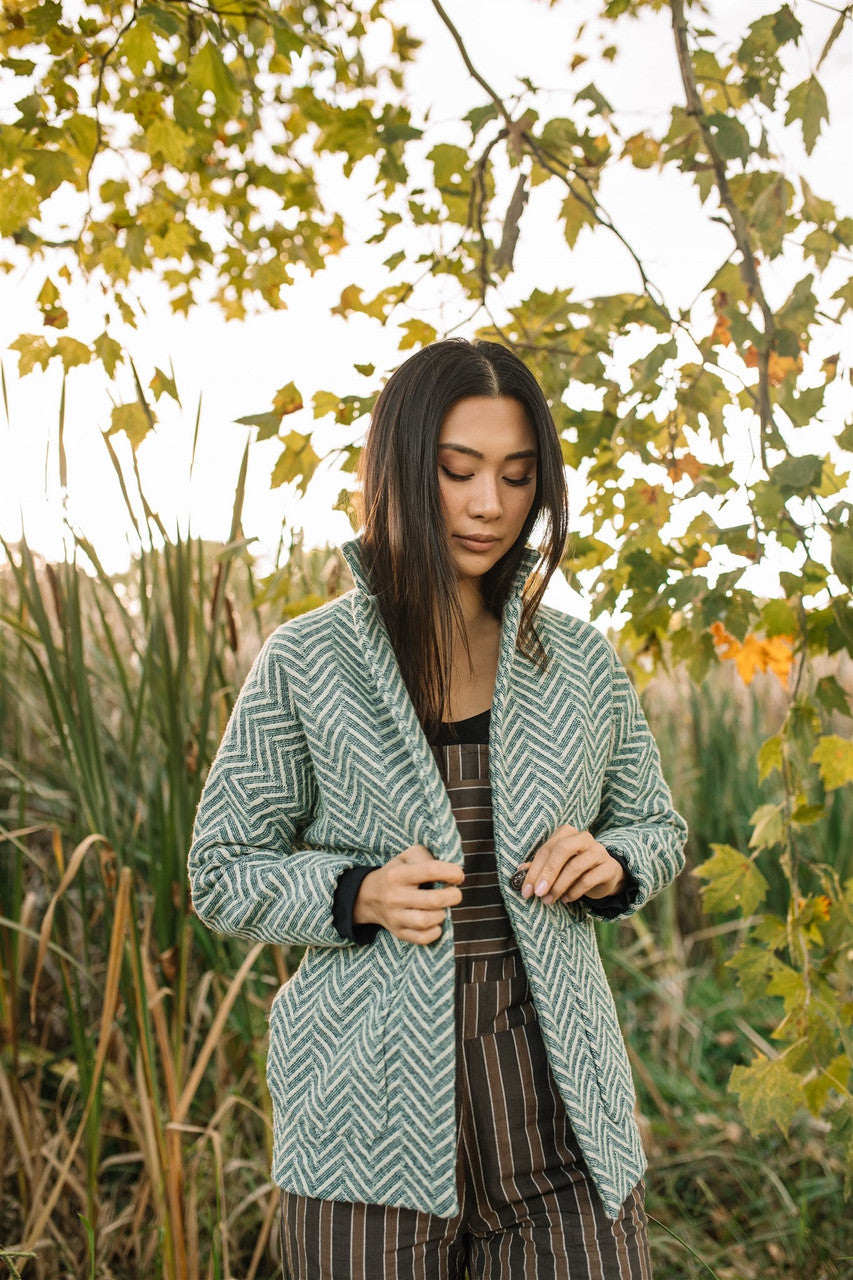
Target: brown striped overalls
[[528, 1209]]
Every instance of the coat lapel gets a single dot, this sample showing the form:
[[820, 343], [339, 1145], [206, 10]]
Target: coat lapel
[[391, 688]]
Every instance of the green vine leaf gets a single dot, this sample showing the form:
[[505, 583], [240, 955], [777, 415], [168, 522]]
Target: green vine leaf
[[770, 1094], [734, 881]]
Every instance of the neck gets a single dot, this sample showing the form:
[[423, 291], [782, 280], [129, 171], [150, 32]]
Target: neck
[[474, 610]]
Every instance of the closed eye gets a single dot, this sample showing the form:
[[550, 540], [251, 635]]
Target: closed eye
[[517, 484]]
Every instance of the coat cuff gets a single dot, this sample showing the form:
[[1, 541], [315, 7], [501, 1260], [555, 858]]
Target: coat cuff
[[615, 903], [349, 883]]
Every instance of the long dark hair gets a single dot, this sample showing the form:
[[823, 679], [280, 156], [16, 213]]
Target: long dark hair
[[405, 552]]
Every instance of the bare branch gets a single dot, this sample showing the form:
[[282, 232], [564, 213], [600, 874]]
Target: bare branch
[[496, 99]]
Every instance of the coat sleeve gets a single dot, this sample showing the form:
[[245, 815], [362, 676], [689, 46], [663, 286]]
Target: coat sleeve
[[636, 817], [247, 875]]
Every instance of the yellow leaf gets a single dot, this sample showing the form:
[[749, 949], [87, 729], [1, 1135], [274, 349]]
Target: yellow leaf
[[834, 757], [287, 400], [72, 352], [133, 421]]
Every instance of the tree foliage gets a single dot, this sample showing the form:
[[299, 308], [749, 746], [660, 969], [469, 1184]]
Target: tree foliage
[[186, 140]]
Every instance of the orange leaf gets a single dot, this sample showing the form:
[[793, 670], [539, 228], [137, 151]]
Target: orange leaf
[[721, 334], [778, 367], [779, 657], [750, 658], [684, 465]]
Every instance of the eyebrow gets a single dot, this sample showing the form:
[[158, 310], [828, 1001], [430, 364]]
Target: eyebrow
[[474, 453]]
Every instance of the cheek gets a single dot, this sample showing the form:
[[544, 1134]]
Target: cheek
[[524, 503]]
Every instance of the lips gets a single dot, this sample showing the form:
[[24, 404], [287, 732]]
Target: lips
[[475, 543]]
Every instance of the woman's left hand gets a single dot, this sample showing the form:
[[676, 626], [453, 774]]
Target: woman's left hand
[[568, 865]]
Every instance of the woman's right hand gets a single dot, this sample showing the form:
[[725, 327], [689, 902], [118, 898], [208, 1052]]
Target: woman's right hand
[[392, 895]]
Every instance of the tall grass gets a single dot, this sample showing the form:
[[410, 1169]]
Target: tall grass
[[135, 1129]]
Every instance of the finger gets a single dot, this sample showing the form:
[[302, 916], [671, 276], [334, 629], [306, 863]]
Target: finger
[[419, 937], [412, 918], [415, 853], [550, 860], [423, 899], [418, 872], [603, 880], [571, 874]]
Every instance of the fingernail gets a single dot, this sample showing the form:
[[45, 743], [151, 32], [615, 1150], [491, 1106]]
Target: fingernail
[[527, 890], [542, 887]]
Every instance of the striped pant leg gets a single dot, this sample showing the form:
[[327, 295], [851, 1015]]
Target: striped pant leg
[[343, 1240], [534, 1213]]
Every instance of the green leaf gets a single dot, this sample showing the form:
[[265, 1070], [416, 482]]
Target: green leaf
[[208, 73], [768, 825], [50, 168], [841, 554], [790, 984], [778, 618], [479, 116], [19, 201], [769, 757], [834, 757], [164, 138], [797, 474], [753, 966], [599, 102], [770, 1094], [807, 102], [132, 420], [831, 695], [139, 47], [730, 136], [576, 215], [835, 1075], [734, 881]]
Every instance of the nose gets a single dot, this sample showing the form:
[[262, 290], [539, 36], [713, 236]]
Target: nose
[[484, 498]]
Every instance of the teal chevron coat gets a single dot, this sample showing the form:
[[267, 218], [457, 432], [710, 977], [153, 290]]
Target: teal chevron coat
[[324, 766]]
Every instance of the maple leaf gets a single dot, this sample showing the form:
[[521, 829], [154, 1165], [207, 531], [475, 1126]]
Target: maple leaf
[[755, 654], [778, 657], [749, 658]]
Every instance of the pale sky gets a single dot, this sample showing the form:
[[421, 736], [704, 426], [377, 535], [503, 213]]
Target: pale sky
[[236, 367]]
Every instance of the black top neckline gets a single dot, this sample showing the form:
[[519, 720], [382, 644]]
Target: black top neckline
[[471, 729]]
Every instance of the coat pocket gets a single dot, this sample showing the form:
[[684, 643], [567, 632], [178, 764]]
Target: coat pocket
[[326, 1062], [596, 1013]]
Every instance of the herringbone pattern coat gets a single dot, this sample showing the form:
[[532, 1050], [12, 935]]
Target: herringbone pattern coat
[[324, 766]]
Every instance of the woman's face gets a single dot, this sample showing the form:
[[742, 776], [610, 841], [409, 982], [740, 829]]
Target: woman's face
[[487, 479]]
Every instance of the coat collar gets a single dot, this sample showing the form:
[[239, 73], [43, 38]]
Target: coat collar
[[352, 554]]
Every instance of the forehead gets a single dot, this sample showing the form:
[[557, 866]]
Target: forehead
[[487, 417]]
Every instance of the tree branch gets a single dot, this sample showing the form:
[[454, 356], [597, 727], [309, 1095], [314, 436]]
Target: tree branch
[[498, 102], [737, 223]]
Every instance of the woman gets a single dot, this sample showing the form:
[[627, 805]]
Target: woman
[[435, 783]]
